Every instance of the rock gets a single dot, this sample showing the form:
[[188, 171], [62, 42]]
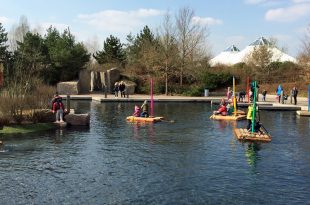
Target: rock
[[84, 81], [95, 81], [68, 88], [130, 87], [78, 119], [113, 75]]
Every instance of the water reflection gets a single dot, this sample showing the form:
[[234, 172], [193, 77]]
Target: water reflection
[[140, 130], [251, 154], [192, 161]]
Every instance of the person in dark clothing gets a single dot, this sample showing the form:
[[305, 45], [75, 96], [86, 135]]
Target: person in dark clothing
[[294, 94], [264, 93], [241, 96], [122, 88], [116, 89]]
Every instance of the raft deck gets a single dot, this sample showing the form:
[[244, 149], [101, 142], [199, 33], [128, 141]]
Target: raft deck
[[144, 119], [228, 117], [243, 134]]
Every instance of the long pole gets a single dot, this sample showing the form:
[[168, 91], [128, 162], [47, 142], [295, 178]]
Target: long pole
[[248, 88], [309, 98], [152, 98], [234, 94], [254, 107]]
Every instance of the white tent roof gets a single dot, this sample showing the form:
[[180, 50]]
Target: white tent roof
[[229, 57]]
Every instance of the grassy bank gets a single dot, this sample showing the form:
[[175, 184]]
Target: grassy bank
[[23, 129]]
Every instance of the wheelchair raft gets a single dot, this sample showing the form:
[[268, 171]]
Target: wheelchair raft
[[244, 134], [144, 119]]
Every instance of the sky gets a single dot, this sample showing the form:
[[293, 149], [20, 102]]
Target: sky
[[229, 22]]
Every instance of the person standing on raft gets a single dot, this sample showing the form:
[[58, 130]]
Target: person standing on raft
[[249, 118], [145, 109]]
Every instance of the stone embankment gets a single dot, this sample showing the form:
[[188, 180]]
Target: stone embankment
[[269, 104]]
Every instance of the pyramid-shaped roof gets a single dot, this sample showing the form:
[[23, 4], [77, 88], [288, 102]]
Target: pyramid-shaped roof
[[261, 41], [232, 48]]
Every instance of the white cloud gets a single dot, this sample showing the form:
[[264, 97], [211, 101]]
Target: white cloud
[[206, 21], [300, 1], [254, 1], [119, 21], [4, 20], [288, 14], [42, 27]]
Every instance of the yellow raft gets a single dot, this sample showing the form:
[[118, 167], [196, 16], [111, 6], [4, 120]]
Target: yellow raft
[[243, 134], [228, 117], [240, 115], [144, 119]]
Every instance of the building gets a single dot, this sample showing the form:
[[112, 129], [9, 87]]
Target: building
[[233, 55]]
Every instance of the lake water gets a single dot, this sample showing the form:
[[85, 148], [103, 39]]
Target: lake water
[[192, 161]]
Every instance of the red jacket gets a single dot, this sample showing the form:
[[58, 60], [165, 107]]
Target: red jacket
[[222, 110], [57, 106]]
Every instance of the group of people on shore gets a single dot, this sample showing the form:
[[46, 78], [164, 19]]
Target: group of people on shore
[[120, 87], [281, 95]]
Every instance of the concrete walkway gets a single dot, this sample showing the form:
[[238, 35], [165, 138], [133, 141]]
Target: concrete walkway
[[270, 104]]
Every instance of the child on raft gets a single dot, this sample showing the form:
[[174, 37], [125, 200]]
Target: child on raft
[[137, 111]]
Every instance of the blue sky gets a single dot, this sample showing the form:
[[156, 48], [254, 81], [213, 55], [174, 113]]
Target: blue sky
[[238, 22]]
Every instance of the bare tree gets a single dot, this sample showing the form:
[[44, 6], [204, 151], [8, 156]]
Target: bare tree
[[18, 32], [304, 54], [169, 46], [190, 36]]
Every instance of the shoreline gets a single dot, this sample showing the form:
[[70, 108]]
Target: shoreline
[[269, 104]]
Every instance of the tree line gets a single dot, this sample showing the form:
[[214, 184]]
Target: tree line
[[176, 55]]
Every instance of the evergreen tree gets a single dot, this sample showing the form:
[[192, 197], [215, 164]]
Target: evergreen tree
[[3, 42], [66, 56], [112, 52], [143, 49]]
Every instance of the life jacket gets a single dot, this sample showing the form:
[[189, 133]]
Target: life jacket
[[250, 111]]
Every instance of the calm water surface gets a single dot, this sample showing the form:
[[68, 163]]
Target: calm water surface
[[192, 161]]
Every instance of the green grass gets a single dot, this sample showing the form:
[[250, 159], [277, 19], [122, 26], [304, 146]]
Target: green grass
[[22, 129]]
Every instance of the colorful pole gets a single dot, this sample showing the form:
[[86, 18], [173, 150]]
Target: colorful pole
[[152, 98], [234, 98], [254, 107], [248, 88], [309, 98]]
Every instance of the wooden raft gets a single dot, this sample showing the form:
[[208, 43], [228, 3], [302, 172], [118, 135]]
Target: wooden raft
[[243, 134]]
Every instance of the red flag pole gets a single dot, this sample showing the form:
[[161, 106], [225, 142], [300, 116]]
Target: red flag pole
[[248, 88], [152, 98]]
